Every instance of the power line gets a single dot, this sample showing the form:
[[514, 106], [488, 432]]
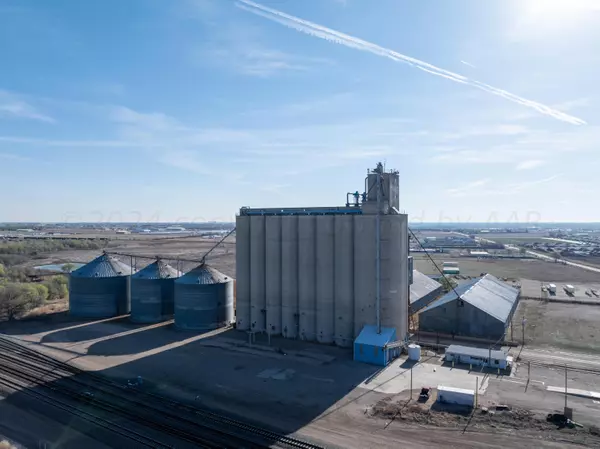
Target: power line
[[435, 264], [201, 260]]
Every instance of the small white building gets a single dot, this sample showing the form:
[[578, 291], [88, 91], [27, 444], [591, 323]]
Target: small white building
[[478, 356], [458, 396]]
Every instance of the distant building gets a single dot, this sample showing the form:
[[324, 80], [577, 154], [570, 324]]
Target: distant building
[[451, 268], [175, 228], [483, 309]]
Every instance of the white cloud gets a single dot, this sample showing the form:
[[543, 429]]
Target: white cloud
[[474, 189], [467, 187], [237, 46], [14, 157], [14, 107], [489, 130], [337, 37], [528, 165]]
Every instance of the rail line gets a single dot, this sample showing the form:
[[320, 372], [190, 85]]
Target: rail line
[[9, 383], [561, 366], [211, 422]]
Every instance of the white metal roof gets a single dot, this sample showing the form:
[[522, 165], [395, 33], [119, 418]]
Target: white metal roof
[[455, 390], [422, 285], [488, 294]]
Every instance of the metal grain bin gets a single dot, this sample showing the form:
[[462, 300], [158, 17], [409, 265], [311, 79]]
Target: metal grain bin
[[100, 289], [203, 299], [153, 293]]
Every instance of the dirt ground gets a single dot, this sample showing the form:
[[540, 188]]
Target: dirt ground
[[222, 258], [568, 326], [443, 415], [511, 269], [583, 292], [302, 387]]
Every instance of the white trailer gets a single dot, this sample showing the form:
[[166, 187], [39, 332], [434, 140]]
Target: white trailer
[[458, 396], [569, 289], [552, 288]]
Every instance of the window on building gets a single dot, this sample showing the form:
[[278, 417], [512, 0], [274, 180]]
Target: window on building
[[360, 349], [375, 350], [496, 362]]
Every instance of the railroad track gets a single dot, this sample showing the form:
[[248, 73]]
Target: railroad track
[[12, 384], [580, 367], [116, 398]]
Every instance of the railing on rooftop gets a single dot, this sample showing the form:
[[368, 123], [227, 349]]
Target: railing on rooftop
[[246, 211]]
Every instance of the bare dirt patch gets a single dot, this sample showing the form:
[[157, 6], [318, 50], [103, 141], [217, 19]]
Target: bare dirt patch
[[484, 420], [568, 326], [511, 269]]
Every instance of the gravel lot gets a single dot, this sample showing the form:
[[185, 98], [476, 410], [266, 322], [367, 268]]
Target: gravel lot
[[568, 326], [512, 269]]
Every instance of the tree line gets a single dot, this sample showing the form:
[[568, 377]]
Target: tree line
[[15, 253], [17, 296]]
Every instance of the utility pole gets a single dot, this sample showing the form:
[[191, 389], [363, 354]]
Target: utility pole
[[411, 383], [378, 249], [565, 387]]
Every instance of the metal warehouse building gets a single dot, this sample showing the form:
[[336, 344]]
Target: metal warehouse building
[[311, 273], [423, 290], [483, 309]]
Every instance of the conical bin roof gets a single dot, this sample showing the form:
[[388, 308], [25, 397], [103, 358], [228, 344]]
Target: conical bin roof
[[157, 270], [203, 274], [103, 266]]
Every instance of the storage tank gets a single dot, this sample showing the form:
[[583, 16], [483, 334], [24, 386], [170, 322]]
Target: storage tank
[[100, 289], [153, 293], [203, 299], [414, 352]]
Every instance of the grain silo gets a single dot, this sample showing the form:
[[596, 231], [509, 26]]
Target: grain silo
[[100, 289], [324, 273], [203, 299], [153, 293]]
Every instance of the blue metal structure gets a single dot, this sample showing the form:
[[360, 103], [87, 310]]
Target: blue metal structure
[[203, 299], [153, 293], [372, 348], [100, 289]]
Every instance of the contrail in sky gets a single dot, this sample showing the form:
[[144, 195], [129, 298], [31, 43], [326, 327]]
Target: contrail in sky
[[336, 37]]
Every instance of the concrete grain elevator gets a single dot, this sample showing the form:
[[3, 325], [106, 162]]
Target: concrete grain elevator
[[324, 273]]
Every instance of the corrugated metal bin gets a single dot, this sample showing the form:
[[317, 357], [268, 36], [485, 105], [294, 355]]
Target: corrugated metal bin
[[153, 293], [100, 289], [203, 299]]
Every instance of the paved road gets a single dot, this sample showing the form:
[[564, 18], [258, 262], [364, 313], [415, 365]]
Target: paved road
[[566, 262], [546, 257]]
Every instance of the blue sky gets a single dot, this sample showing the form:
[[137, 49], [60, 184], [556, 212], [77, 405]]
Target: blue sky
[[184, 111]]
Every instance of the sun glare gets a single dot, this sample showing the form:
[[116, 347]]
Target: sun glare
[[556, 14]]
